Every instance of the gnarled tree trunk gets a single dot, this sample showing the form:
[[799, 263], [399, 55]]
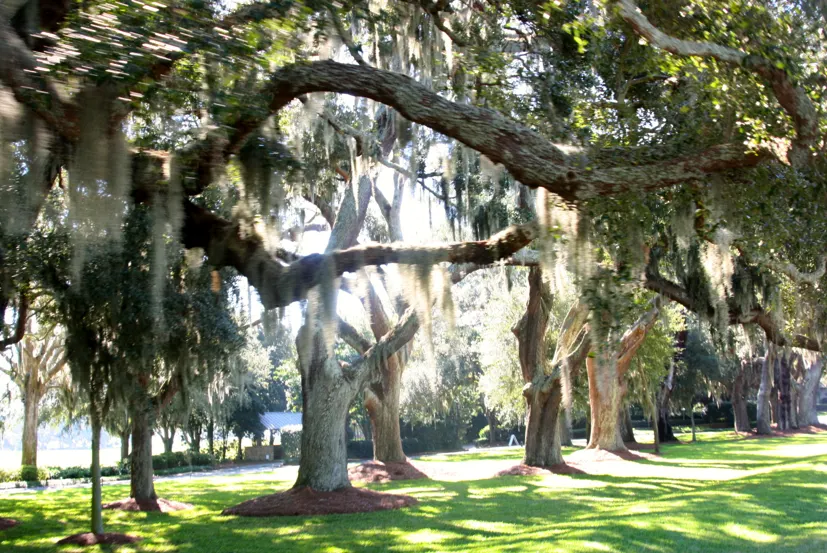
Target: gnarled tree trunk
[[31, 409], [606, 368], [141, 486], [326, 396], [784, 404], [763, 424], [627, 432], [808, 393], [542, 392], [739, 399], [565, 428], [382, 398], [124, 436]]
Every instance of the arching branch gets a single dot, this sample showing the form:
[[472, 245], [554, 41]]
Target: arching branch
[[792, 98]]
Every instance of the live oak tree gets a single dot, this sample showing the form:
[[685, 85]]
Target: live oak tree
[[37, 366], [198, 86]]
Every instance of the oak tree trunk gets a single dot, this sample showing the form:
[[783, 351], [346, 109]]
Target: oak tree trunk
[[542, 436], [565, 429], [323, 463], [31, 408], [784, 403], [327, 396], [605, 401], [141, 487], [124, 436], [97, 507], [763, 424], [739, 400], [543, 392], [808, 394], [382, 399], [384, 425], [627, 432], [168, 442]]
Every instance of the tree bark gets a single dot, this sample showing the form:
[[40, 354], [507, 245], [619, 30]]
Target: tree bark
[[605, 401], [627, 432], [543, 391], [168, 442], [240, 453], [763, 424], [665, 431], [784, 404], [808, 394], [606, 368], [382, 399], [31, 409], [384, 423], [326, 400], [211, 436], [739, 400], [565, 429], [124, 444], [97, 507], [141, 486]]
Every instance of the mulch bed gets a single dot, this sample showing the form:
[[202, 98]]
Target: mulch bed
[[813, 429], [6, 523], [377, 471], [109, 538], [307, 501], [525, 470], [158, 505]]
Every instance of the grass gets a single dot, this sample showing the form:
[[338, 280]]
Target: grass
[[773, 500]]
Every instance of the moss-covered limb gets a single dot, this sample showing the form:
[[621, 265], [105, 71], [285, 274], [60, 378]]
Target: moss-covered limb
[[20, 323], [756, 314], [529, 156], [30, 88], [352, 337], [281, 285], [792, 98]]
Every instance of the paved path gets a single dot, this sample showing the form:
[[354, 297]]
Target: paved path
[[229, 471]]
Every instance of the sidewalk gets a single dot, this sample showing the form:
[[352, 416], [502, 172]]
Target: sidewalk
[[229, 471]]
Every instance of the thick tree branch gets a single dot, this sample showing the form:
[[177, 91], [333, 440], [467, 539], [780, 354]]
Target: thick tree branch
[[347, 38], [530, 157], [19, 325], [280, 285], [352, 337], [18, 71], [792, 98]]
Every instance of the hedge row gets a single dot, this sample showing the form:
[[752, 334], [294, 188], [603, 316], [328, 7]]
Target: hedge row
[[166, 463]]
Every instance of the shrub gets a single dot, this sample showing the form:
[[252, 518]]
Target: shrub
[[412, 446], [485, 433], [74, 472], [8, 476], [291, 442], [360, 449], [30, 473], [201, 459]]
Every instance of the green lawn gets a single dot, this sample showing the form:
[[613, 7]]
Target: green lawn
[[760, 496]]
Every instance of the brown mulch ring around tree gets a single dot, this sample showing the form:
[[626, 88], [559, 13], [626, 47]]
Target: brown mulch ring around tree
[[158, 505], [307, 501], [109, 538], [377, 471], [525, 470], [813, 429], [6, 523]]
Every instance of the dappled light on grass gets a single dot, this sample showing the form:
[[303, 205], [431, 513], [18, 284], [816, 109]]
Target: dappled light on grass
[[745, 532], [777, 509]]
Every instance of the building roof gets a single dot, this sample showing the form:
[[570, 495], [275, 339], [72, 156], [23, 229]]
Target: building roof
[[277, 420]]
